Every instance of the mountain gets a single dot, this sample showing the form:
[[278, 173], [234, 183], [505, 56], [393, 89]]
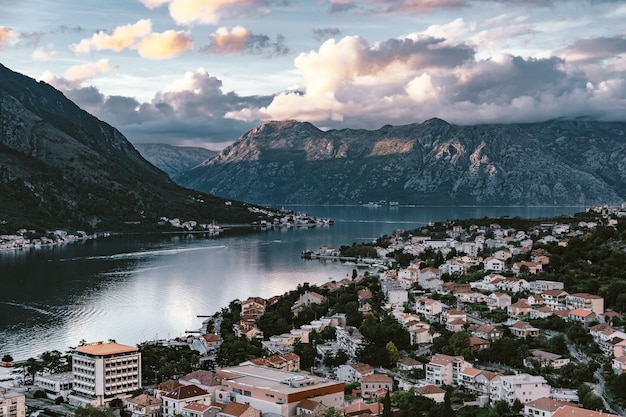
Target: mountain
[[60, 167], [559, 162], [174, 160]]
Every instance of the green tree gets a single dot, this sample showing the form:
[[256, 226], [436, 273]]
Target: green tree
[[90, 411], [392, 352], [7, 358], [332, 412]]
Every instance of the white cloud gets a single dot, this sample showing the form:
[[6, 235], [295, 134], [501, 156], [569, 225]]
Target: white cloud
[[186, 12], [80, 73], [164, 45], [44, 54], [5, 34]]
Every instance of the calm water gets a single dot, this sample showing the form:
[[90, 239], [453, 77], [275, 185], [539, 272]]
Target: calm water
[[142, 287]]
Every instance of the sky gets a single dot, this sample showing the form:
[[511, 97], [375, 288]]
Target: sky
[[204, 72]]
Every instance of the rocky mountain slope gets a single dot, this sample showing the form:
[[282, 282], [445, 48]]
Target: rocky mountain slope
[[560, 162], [174, 160], [62, 167]]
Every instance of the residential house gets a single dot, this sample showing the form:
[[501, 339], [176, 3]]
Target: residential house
[[477, 344], [522, 387], [477, 381], [165, 387], [454, 267], [585, 301], [444, 369], [541, 312], [488, 332], [349, 339], [409, 364], [545, 359], [143, 405], [200, 410], [175, 401], [498, 300], [513, 285], [520, 308], [431, 309], [354, 372], [574, 411], [540, 286], [376, 385], [555, 299], [310, 408], [526, 267], [433, 392], [492, 264], [544, 407], [306, 299], [361, 409], [584, 317], [207, 380], [395, 294], [619, 364], [236, 409], [522, 329], [287, 362], [429, 278]]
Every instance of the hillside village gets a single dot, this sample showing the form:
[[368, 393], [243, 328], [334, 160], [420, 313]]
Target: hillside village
[[460, 319]]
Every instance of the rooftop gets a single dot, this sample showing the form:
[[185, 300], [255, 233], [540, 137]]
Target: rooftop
[[104, 349]]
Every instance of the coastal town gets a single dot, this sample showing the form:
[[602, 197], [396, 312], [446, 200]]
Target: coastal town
[[488, 317]]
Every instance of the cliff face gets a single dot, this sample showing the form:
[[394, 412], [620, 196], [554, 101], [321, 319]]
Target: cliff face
[[561, 162], [62, 167], [173, 160]]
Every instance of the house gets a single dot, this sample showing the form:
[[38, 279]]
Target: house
[[574, 411], [408, 364], [513, 285], [492, 264], [522, 387], [349, 339], [143, 405], [92, 364], [175, 401], [477, 344], [165, 387], [305, 300], [433, 392], [477, 381], [540, 286], [488, 332], [454, 267], [541, 312], [520, 308], [310, 408], [206, 380], [428, 307], [361, 408], [199, 410], [376, 385], [444, 369], [429, 278], [585, 301], [522, 329], [236, 409], [498, 300], [544, 407], [287, 362], [354, 372], [555, 299], [525, 266], [546, 359], [584, 317]]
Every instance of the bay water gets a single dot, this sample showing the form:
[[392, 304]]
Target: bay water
[[138, 287]]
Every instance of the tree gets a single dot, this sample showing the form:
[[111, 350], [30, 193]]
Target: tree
[[392, 351], [387, 405], [7, 358], [91, 411], [332, 412]]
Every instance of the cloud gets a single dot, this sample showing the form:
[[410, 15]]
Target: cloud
[[164, 45], [120, 38], [595, 49], [353, 83], [240, 41], [323, 34], [187, 12], [189, 110], [138, 36], [5, 34], [44, 54]]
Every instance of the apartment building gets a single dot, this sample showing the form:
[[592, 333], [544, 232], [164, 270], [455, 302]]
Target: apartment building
[[275, 391], [105, 371], [445, 369], [522, 387], [12, 404], [585, 301]]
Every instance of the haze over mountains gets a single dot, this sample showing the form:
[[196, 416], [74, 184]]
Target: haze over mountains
[[559, 162], [62, 167]]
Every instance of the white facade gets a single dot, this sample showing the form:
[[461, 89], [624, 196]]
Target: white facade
[[522, 387], [104, 371]]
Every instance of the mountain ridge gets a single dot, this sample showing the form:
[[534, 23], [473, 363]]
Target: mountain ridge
[[61, 167], [557, 162]]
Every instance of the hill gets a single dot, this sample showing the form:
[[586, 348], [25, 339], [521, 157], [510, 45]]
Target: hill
[[173, 160], [60, 167], [559, 162]]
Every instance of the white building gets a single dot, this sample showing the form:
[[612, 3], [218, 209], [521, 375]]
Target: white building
[[105, 371], [522, 387], [56, 385]]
